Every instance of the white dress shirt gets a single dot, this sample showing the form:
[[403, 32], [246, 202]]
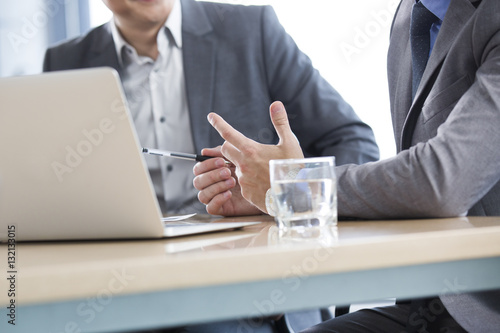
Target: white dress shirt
[[156, 94]]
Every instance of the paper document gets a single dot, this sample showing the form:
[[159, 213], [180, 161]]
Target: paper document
[[177, 218]]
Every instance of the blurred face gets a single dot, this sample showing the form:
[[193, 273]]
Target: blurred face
[[140, 13]]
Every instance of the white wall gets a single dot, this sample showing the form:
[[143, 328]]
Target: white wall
[[22, 36]]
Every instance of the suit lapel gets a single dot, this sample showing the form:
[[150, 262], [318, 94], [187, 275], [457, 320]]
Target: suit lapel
[[198, 49], [399, 68], [459, 12], [104, 51], [457, 15]]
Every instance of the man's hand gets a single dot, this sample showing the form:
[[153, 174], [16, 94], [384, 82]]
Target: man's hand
[[219, 189], [251, 160]]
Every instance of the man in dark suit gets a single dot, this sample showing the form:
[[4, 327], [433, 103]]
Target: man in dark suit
[[180, 60], [446, 116]]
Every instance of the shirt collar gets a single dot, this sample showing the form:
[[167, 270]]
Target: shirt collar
[[173, 23], [437, 7]]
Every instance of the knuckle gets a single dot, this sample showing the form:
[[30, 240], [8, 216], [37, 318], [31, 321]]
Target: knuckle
[[250, 150], [225, 133], [214, 177], [244, 169]]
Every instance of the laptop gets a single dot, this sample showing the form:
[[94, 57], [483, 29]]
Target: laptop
[[71, 165]]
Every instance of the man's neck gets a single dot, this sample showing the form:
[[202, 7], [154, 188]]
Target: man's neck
[[143, 39]]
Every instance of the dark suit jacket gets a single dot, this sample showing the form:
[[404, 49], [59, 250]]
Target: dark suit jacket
[[237, 60], [448, 137]]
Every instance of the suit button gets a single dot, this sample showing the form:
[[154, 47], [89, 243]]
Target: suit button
[[162, 119], [169, 168]]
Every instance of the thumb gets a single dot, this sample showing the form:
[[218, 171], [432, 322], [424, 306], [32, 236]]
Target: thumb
[[279, 118]]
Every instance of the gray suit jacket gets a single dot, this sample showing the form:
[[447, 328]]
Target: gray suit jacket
[[448, 137], [237, 60], [448, 161]]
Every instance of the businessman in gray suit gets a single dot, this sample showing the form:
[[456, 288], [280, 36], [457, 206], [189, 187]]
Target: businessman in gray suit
[[180, 60], [447, 129]]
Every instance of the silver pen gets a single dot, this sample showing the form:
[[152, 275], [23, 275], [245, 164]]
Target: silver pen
[[185, 156]]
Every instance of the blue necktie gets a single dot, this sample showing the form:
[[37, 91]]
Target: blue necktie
[[421, 22]]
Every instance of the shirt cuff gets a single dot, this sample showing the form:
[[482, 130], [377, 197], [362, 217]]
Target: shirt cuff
[[270, 204]]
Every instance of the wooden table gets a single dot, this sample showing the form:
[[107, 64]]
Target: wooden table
[[110, 286]]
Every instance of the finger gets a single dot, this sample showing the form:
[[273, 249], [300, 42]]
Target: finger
[[231, 153], [227, 132], [208, 165], [212, 151], [204, 180], [216, 205], [279, 118], [209, 193]]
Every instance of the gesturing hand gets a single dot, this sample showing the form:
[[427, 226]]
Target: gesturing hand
[[251, 158]]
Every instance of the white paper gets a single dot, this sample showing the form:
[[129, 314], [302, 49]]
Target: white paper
[[177, 218]]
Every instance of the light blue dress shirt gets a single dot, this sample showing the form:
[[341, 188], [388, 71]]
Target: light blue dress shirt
[[156, 95], [438, 8]]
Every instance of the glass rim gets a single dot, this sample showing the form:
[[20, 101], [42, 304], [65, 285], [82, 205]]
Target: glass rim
[[303, 160]]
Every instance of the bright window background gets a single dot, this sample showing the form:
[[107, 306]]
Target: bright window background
[[347, 42]]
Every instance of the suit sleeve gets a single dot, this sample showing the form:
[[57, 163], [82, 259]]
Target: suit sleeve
[[448, 174], [322, 121], [46, 61]]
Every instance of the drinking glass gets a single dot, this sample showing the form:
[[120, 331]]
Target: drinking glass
[[304, 192]]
